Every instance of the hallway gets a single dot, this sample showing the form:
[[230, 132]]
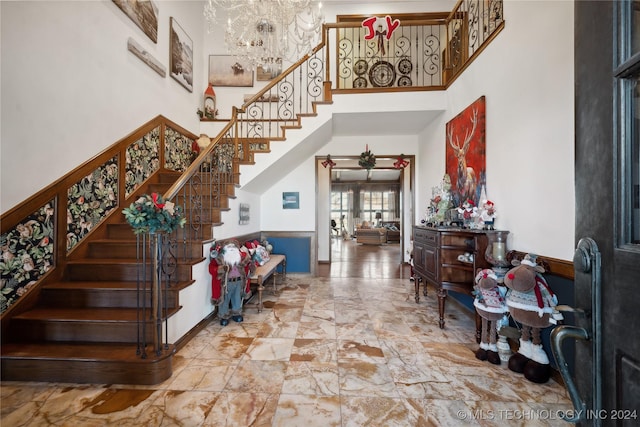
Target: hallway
[[348, 348]]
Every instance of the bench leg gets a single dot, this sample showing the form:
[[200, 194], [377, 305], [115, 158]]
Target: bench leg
[[275, 274], [260, 289]]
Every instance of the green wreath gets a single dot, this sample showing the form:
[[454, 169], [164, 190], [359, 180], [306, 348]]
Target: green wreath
[[367, 160]]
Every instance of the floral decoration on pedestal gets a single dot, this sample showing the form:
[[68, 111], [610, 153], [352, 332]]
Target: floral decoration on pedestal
[[367, 159], [440, 201], [468, 212], [151, 214]]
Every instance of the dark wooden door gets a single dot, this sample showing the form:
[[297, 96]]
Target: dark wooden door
[[607, 168]]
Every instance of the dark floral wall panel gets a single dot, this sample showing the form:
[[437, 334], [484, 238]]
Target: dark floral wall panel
[[223, 155], [177, 150], [90, 200], [143, 159], [27, 254]]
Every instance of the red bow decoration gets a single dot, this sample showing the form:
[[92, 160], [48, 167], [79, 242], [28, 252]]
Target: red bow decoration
[[155, 198], [401, 163], [328, 162]]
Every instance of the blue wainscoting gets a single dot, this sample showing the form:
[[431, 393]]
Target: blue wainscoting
[[296, 249]]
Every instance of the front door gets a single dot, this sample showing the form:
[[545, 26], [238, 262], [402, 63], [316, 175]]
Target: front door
[[607, 170]]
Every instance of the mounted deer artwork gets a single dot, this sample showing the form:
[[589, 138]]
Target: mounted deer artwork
[[466, 153]]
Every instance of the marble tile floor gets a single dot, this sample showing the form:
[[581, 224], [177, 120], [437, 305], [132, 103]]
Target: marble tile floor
[[324, 352]]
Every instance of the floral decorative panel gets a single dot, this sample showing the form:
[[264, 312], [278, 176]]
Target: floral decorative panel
[[27, 254], [90, 200], [143, 159], [177, 150], [223, 156]]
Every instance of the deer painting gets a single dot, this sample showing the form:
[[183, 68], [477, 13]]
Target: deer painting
[[466, 181]]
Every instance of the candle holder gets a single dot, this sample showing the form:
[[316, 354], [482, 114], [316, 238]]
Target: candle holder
[[496, 253]]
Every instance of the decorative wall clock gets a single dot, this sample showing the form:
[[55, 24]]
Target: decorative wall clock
[[382, 74]]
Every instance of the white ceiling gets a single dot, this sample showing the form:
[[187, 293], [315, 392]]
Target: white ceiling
[[375, 123], [382, 123]]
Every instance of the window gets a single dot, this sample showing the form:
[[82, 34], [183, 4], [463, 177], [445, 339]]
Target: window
[[628, 78], [378, 201]]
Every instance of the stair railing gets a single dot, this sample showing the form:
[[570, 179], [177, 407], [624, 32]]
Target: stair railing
[[41, 221]]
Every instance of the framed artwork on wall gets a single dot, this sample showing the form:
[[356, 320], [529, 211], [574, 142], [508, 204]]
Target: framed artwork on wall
[[266, 73], [290, 200], [144, 13], [466, 153], [225, 70], [244, 214], [135, 48], [180, 55]]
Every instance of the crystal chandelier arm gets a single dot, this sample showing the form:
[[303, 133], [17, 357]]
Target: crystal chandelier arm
[[262, 32]]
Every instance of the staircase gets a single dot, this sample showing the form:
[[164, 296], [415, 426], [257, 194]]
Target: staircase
[[84, 327], [81, 322]]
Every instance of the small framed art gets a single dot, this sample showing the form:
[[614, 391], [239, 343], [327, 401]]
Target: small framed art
[[290, 200], [225, 70]]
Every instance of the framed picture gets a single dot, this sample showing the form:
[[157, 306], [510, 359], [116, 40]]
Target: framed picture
[[135, 48], [270, 72], [290, 200], [466, 153], [180, 55], [225, 70], [244, 214], [144, 13]]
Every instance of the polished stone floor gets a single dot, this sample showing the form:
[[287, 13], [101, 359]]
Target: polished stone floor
[[331, 350]]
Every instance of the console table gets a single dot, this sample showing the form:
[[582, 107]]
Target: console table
[[436, 252]]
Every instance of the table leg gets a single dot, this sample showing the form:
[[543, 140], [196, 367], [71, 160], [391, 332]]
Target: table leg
[[442, 295]]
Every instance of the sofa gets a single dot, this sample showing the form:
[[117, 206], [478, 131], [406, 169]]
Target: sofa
[[393, 231], [371, 236]]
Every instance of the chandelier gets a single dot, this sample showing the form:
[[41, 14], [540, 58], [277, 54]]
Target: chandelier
[[264, 32]]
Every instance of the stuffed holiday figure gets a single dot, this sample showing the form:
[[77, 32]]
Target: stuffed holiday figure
[[259, 254], [532, 303], [491, 306], [230, 269]]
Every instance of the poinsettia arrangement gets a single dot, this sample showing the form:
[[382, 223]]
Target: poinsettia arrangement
[[150, 214], [367, 159]]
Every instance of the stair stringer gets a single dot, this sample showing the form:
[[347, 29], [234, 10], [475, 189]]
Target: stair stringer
[[299, 144], [195, 300]]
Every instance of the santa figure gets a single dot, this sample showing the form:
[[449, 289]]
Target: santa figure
[[230, 269]]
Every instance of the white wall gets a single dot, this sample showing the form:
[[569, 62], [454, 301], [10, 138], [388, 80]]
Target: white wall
[[70, 88], [527, 78]]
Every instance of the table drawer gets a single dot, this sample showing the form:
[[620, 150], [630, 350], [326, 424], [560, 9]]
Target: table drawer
[[429, 237], [466, 242]]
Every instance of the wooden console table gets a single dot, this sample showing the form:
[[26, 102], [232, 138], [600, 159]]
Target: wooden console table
[[435, 260]]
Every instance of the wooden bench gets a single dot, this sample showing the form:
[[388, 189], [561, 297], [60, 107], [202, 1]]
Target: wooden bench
[[269, 269]]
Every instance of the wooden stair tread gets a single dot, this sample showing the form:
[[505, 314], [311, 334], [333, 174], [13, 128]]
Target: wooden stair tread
[[78, 351], [117, 261], [85, 284], [106, 285], [94, 314]]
